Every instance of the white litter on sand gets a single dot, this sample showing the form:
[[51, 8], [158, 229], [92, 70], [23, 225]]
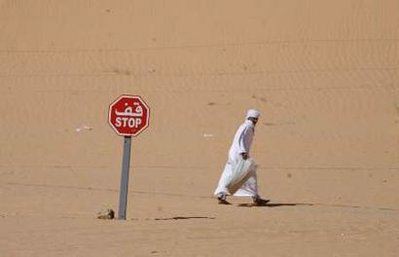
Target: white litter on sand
[[83, 127]]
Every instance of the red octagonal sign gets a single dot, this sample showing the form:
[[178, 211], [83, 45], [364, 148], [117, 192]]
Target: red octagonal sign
[[129, 115]]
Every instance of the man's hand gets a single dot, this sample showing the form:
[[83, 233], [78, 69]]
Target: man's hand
[[244, 155]]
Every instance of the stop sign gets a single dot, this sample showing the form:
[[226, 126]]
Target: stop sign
[[128, 115]]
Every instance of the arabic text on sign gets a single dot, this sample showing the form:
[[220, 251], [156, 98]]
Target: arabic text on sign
[[138, 111]]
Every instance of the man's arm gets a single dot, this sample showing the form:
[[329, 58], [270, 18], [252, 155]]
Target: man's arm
[[244, 148]]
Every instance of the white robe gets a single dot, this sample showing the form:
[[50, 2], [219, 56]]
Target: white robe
[[241, 144]]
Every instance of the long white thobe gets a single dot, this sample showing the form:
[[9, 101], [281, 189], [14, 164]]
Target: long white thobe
[[241, 144]]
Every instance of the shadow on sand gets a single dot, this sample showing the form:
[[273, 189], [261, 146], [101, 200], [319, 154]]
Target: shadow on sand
[[272, 205], [185, 218]]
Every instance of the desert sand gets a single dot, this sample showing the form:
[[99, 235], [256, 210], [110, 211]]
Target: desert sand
[[324, 74]]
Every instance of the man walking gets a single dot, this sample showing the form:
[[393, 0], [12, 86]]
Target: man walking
[[238, 179]]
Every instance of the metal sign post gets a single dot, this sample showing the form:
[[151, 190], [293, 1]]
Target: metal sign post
[[128, 115], [124, 188]]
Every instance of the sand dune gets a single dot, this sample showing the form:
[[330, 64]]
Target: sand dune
[[323, 73]]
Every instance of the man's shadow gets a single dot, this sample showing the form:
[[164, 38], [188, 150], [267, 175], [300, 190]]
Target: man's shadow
[[272, 205]]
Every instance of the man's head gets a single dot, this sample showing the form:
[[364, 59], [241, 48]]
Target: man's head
[[253, 115]]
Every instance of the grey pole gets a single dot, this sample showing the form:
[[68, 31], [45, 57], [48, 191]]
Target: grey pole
[[124, 178]]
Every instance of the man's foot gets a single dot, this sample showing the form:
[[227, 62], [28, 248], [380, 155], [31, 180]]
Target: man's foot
[[222, 199], [258, 201]]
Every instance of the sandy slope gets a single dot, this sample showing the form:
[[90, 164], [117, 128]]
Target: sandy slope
[[324, 74]]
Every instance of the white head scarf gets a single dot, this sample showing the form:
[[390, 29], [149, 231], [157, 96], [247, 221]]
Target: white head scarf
[[252, 113]]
